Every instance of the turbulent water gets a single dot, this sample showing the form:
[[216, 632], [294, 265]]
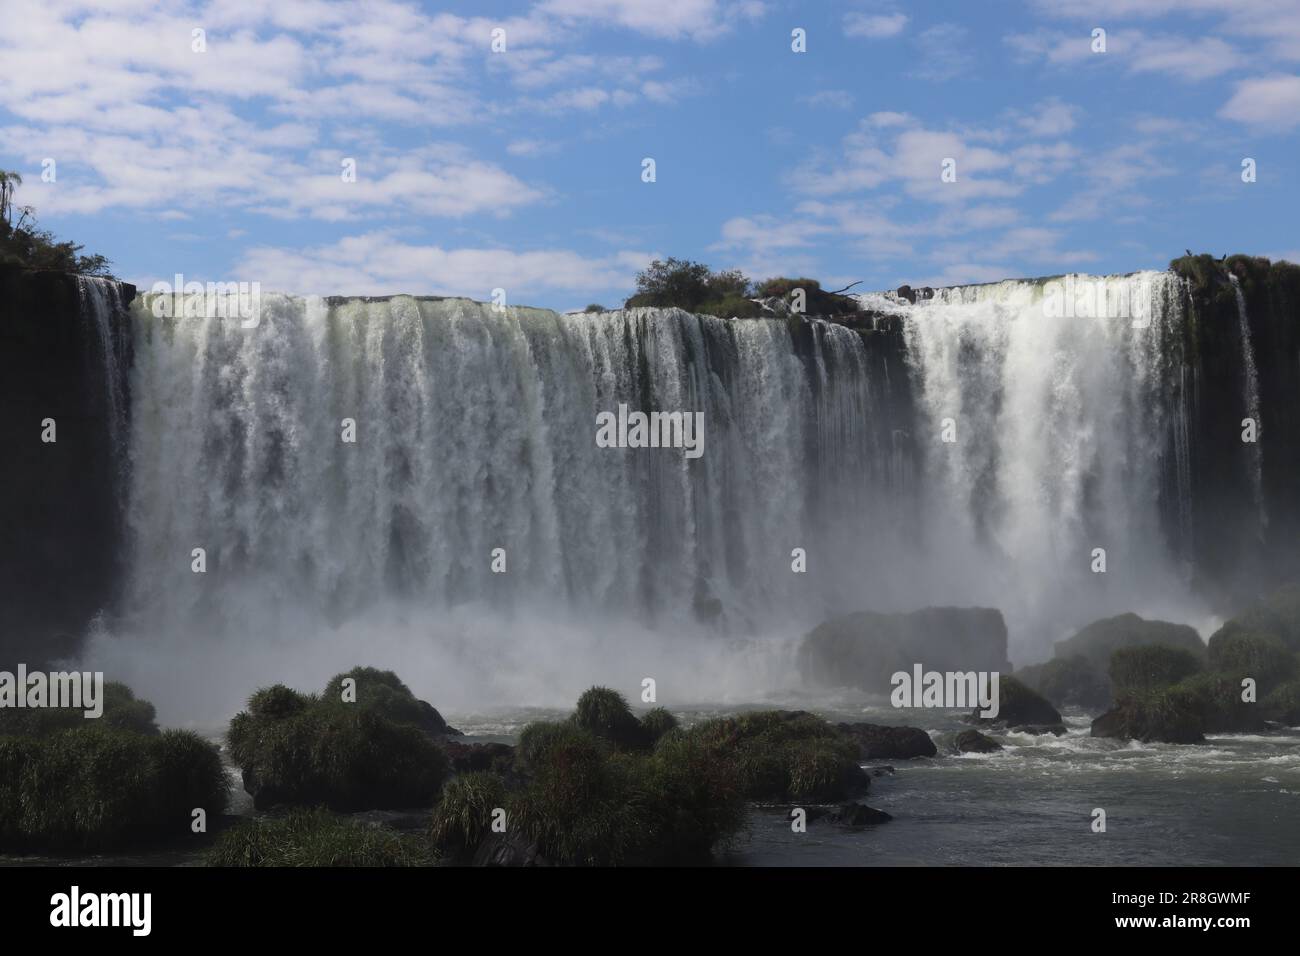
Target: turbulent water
[[985, 460]]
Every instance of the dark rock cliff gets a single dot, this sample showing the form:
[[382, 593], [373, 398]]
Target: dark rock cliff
[[64, 355]]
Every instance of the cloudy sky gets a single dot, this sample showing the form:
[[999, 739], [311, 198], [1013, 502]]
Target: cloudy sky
[[522, 169]]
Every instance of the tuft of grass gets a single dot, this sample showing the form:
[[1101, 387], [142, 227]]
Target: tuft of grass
[[384, 693], [605, 713], [656, 723], [463, 817], [316, 837], [122, 711], [304, 751], [99, 787]]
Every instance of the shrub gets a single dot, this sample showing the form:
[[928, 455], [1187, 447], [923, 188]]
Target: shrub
[[784, 755], [122, 711], [98, 787], [341, 756], [730, 307], [315, 838], [1216, 699], [1278, 615], [383, 693], [1262, 656], [672, 282], [782, 287], [1283, 704], [575, 805], [595, 307], [684, 802], [657, 722], [1149, 667], [606, 714], [463, 817]]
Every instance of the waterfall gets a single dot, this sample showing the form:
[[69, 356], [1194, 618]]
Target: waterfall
[[475, 431], [101, 304], [1250, 398]]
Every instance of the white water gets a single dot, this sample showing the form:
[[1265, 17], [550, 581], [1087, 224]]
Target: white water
[[1250, 397], [476, 431]]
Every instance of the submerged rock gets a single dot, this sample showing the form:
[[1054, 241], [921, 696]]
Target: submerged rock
[[972, 741], [880, 742], [857, 815]]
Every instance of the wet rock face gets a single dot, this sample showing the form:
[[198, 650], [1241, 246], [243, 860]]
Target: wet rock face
[[61, 537], [972, 741], [864, 650], [878, 742]]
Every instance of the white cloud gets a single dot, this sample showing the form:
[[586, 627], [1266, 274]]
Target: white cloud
[[378, 263], [874, 26], [1267, 101], [1186, 58], [829, 99], [670, 19]]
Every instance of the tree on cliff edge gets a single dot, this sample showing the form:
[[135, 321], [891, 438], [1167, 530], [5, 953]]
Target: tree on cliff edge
[[23, 244]]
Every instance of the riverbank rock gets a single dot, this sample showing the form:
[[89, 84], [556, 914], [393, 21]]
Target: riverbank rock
[[880, 742], [1023, 709], [1100, 639], [1135, 719], [472, 757], [866, 649], [857, 815], [972, 741], [1069, 682]]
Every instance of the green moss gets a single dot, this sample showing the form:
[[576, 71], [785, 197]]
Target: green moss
[[1261, 656], [316, 838], [1216, 699], [1278, 616], [463, 816], [1283, 704], [1150, 667], [100, 787]]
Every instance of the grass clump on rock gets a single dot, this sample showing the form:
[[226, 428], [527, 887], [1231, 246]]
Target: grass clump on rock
[[463, 816], [100, 787], [304, 750], [122, 711], [316, 837], [603, 788]]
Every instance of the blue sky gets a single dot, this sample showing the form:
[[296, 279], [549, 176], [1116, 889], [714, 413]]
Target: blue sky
[[522, 169]]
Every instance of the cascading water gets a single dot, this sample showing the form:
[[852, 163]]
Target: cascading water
[[475, 431], [1250, 396]]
